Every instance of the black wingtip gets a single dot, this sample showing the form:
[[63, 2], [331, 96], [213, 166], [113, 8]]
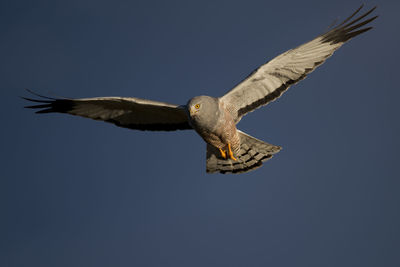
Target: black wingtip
[[48, 104], [347, 30], [39, 95], [36, 100], [351, 16]]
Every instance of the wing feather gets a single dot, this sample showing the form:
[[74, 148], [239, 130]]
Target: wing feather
[[127, 112], [269, 81]]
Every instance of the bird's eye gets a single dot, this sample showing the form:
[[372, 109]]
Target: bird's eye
[[197, 106]]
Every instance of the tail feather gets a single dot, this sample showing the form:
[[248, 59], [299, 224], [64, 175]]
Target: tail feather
[[253, 152]]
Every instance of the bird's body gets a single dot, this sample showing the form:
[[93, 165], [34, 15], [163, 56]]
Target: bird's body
[[215, 125], [229, 150]]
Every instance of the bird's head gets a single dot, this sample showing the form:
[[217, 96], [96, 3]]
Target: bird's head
[[201, 104], [203, 108]]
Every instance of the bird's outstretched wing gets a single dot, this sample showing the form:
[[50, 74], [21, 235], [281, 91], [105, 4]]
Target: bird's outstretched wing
[[269, 81], [128, 112]]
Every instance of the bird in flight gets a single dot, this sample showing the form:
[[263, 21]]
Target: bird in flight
[[229, 150]]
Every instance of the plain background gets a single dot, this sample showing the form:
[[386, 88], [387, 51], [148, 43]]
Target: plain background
[[77, 192]]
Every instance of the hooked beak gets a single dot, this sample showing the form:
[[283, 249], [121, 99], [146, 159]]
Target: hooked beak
[[192, 111]]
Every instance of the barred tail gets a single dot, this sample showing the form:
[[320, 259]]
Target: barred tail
[[252, 154]]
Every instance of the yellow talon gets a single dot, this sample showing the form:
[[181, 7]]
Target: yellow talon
[[223, 154], [230, 152]]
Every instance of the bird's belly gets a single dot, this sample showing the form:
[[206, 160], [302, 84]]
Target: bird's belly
[[211, 138], [221, 137]]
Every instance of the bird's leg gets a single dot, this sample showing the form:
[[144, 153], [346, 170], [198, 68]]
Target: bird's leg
[[223, 153], [230, 152]]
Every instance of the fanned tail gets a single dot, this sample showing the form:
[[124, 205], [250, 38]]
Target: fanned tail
[[253, 152]]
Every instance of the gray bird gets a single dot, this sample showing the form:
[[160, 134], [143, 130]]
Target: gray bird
[[229, 150]]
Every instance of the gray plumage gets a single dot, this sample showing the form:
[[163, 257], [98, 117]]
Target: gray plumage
[[214, 119]]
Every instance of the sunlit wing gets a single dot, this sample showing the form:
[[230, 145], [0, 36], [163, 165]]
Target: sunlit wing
[[128, 112], [269, 81]]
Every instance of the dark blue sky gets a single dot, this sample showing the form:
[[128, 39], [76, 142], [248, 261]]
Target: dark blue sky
[[77, 192]]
